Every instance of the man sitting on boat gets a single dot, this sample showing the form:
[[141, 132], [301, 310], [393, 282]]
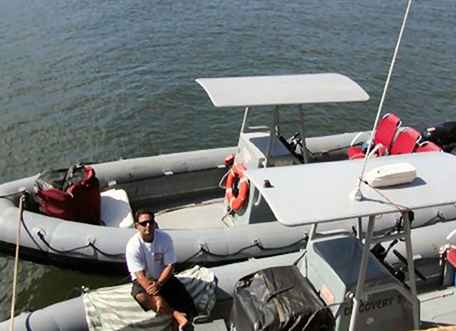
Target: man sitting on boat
[[150, 260]]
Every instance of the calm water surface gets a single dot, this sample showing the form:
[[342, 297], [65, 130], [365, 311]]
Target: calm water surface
[[100, 80]]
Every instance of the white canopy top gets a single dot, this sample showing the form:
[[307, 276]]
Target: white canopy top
[[282, 90], [321, 192]]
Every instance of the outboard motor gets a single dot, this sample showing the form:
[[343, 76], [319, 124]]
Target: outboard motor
[[443, 134]]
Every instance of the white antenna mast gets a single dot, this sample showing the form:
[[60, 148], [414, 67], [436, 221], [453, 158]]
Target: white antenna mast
[[357, 194]]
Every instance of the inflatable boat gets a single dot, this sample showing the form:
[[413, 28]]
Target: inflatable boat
[[113, 308], [211, 201]]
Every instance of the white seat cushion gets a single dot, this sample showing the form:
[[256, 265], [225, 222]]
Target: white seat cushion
[[115, 209]]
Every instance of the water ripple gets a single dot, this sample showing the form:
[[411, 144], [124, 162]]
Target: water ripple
[[85, 80]]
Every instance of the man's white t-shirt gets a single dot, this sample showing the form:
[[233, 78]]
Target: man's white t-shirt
[[152, 257]]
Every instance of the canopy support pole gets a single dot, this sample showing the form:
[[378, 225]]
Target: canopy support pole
[[359, 294], [411, 269], [305, 154], [362, 293], [273, 131], [244, 120]]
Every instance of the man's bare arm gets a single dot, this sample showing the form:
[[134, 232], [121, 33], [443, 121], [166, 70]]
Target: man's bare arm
[[152, 286], [165, 274], [143, 280]]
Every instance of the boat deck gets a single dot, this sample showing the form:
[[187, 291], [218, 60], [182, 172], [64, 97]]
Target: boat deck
[[439, 307], [208, 214], [216, 325]]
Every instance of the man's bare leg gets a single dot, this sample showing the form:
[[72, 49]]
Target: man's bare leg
[[181, 318], [159, 305]]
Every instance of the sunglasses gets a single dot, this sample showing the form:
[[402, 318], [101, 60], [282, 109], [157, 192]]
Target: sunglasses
[[145, 223]]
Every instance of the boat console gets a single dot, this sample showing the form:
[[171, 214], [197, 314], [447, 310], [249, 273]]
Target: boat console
[[260, 149], [361, 291], [332, 265]]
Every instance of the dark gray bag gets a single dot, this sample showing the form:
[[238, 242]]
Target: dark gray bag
[[278, 298]]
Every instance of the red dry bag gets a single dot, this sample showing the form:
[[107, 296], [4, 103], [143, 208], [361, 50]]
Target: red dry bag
[[71, 194]]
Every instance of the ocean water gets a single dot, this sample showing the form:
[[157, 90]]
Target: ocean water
[[102, 80]]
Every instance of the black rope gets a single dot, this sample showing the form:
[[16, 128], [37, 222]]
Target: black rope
[[26, 194], [56, 250], [399, 207], [304, 239], [208, 252], [204, 250], [43, 239], [300, 257], [104, 253], [41, 236], [191, 257], [32, 238]]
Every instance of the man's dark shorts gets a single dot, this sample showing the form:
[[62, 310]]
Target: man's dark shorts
[[174, 293]]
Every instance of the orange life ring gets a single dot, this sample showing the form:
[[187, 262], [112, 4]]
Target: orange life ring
[[236, 202]]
